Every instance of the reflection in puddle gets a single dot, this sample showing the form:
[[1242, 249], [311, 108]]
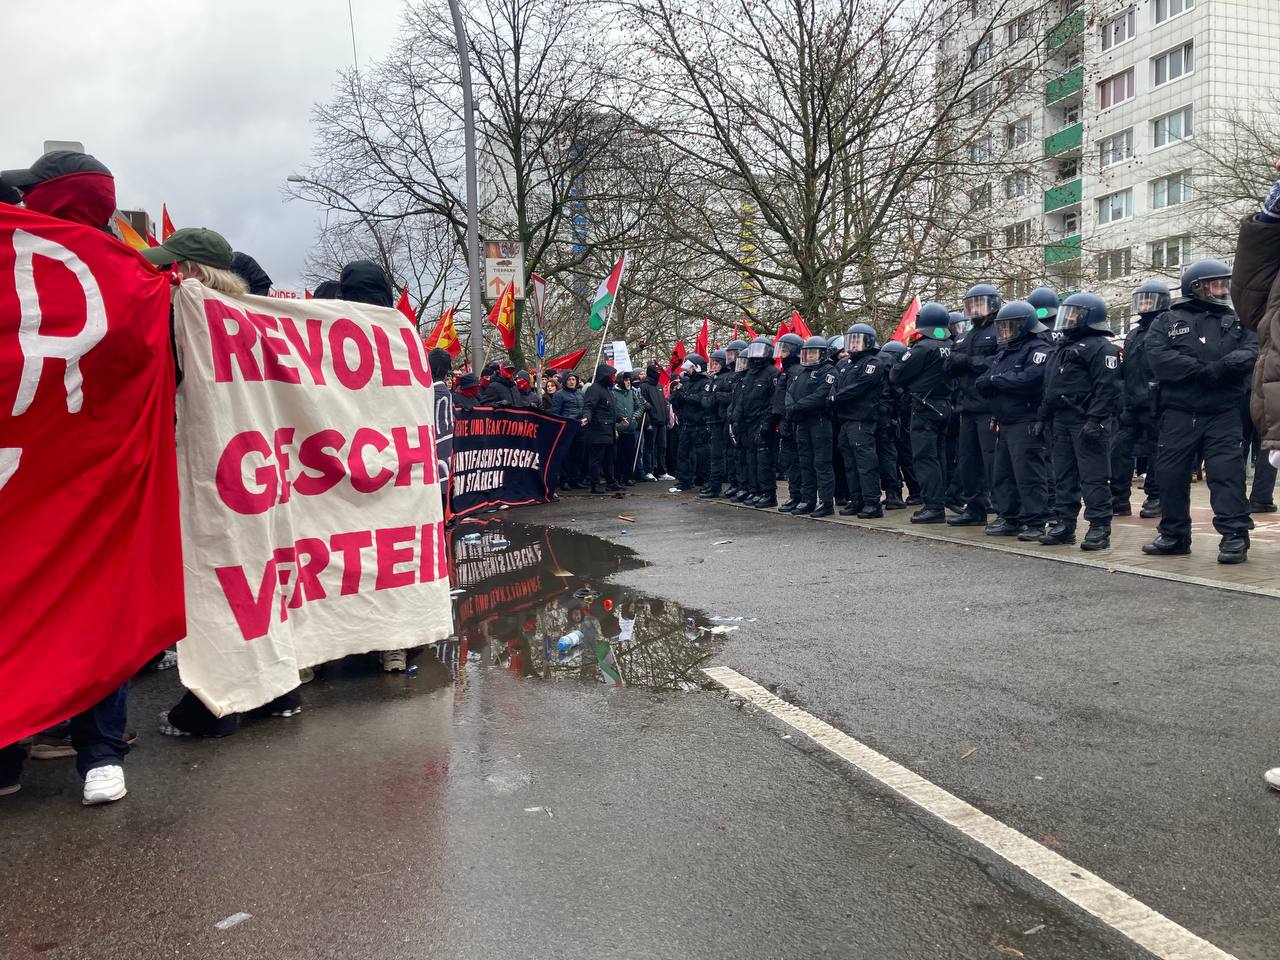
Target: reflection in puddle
[[533, 599]]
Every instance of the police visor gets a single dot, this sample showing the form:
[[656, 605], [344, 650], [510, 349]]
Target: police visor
[[1147, 302], [858, 342], [1071, 316], [983, 305], [1009, 329], [809, 356], [758, 351]]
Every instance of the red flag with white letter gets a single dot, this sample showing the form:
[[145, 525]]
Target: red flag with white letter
[[91, 583]]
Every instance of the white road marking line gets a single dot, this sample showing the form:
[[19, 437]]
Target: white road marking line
[[1151, 930]]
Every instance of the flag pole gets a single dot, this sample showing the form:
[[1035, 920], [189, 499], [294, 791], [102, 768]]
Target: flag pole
[[600, 353]]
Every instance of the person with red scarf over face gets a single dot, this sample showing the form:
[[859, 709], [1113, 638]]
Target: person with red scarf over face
[[73, 186], [501, 389]]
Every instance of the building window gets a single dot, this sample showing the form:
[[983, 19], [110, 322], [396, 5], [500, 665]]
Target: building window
[[1017, 80], [1114, 264], [982, 51], [983, 98], [1118, 29], [980, 247], [1017, 133], [1173, 189], [1070, 224], [1115, 206], [980, 197], [1172, 127], [1171, 253], [1017, 185], [980, 149], [1019, 28], [1171, 8], [1116, 89], [1116, 148], [1017, 234], [1121, 317], [1178, 62]]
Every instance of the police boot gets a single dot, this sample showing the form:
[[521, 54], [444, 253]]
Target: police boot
[[1031, 533], [1121, 508], [597, 489], [743, 496], [800, 509], [1234, 548], [913, 500], [764, 500], [1098, 537], [870, 513], [929, 515], [893, 500], [1003, 528], [787, 506], [732, 492], [823, 509], [967, 519], [1058, 532], [1150, 508], [1166, 546], [709, 493], [849, 509]]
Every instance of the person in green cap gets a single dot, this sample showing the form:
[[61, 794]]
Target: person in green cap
[[200, 254]]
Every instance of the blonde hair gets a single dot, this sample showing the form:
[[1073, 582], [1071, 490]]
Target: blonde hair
[[215, 278]]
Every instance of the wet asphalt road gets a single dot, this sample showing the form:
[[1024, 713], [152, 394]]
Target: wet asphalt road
[[476, 810]]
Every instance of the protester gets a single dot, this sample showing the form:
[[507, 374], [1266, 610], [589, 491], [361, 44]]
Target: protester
[[501, 390], [200, 254], [254, 276], [568, 403], [466, 393], [441, 364], [628, 406], [656, 426], [601, 429], [524, 391], [549, 388]]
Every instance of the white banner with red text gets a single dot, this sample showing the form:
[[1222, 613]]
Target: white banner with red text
[[311, 509]]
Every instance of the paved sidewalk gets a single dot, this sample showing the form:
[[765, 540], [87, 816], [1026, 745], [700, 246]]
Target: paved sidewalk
[[1261, 575]]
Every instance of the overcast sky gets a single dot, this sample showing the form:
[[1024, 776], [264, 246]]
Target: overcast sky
[[203, 105]]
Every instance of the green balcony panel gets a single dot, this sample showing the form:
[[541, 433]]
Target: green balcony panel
[[1064, 85], [1066, 139], [1065, 249], [1063, 195], [1067, 30]]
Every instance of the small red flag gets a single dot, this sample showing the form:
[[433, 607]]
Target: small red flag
[[750, 333], [166, 225], [503, 315], [907, 325], [567, 362], [798, 325], [735, 331], [700, 345], [403, 306], [307, 294], [678, 353], [783, 329], [444, 335]]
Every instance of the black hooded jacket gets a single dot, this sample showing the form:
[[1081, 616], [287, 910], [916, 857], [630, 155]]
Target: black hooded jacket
[[251, 273], [598, 406], [363, 281], [655, 400]]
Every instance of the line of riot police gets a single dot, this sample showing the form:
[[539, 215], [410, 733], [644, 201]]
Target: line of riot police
[[988, 413]]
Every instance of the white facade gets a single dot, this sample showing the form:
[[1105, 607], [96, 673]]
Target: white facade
[[1121, 90]]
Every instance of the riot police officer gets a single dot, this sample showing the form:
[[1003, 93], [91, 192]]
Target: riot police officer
[[716, 393], [858, 394], [754, 425], [1137, 431], [1015, 384], [893, 436], [1081, 398], [1202, 357], [737, 364], [690, 405], [787, 351], [1046, 303], [809, 409], [976, 445], [922, 373]]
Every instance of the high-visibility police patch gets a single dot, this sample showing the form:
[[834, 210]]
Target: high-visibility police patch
[[1039, 357], [1111, 362], [1179, 330], [871, 368], [830, 379]]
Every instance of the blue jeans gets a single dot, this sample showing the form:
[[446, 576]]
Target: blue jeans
[[98, 733]]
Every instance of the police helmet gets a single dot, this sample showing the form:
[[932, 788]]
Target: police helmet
[[1081, 312], [735, 347], [694, 361], [835, 346], [788, 345], [740, 363], [1015, 320], [720, 357], [1151, 298], [1208, 281], [1045, 300], [760, 349], [981, 303], [934, 320], [895, 347], [958, 323], [860, 338], [811, 352]]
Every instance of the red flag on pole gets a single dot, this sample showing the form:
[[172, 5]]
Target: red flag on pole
[[678, 353], [566, 362], [403, 307], [700, 345], [907, 325], [444, 335], [798, 325], [503, 315], [750, 333], [166, 225], [783, 329]]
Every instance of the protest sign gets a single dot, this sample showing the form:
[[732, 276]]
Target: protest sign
[[505, 456], [312, 519], [91, 583]]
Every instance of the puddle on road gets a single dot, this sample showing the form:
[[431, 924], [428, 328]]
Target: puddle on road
[[534, 600]]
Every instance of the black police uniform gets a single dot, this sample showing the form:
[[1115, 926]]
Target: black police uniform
[[1202, 360], [786, 437], [717, 392], [893, 439], [691, 455], [1081, 397], [1136, 432], [976, 446], [809, 410], [754, 426], [858, 394], [922, 374], [1020, 475], [732, 451]]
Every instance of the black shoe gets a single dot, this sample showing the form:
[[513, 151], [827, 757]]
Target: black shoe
[[615, 486], [800, 509], [732, 492], [966, 519], [1030, 534], [894, 503], [1098, 537], [787, 506], [598, 490], [957, 507], [824, 509], [913, 500], [929, 515], [1150, 508], [1234, 548], [743, 496], [1121, 509], [1256, 507], [753, 500], [1003, 528], [709, 493], [1058, 533], [765, 500], [1163, 546], [870, 513], [848, 510]]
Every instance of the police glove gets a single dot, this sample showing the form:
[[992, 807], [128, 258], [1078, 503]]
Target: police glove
[[1215, 370], [1094, 430], [1036, 429], [985, 386], [959, 362], [1072, 355]]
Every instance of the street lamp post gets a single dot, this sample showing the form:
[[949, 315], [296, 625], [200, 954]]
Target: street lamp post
[[473, 213]]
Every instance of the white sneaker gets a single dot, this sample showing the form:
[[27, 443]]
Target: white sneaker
[[394, 661], [666, 476], [1273, 778], [650, 477], [104, 785]]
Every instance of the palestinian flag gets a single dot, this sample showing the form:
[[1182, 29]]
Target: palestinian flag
[[607, 293]]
